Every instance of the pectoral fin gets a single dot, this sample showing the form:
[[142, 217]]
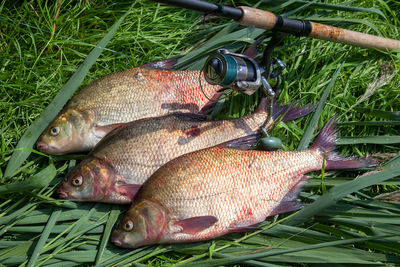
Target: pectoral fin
[[129, 190], [195, 225], [101, 131]]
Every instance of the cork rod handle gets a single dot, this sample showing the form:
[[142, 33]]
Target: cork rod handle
[[269, 21]]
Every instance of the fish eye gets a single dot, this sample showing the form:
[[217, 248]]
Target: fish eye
[[77, 181], [127, 226], [55, 130]]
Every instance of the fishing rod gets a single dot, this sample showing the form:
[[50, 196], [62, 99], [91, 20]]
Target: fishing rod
[[258, 18], [244, 74]]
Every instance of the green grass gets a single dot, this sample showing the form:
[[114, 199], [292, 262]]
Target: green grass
[[344, 226]]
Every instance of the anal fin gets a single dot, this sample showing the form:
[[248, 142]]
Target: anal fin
[[245, 228], [289, 201], [286, 206]]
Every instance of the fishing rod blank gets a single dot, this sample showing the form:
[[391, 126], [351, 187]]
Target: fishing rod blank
[[258, 18]]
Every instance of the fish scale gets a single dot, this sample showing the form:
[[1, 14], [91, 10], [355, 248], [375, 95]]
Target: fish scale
[[140, 148], [141, 93], [219, 190], [122, 97], [228, 184], [130, 154]]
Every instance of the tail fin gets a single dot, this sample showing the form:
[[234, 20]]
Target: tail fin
[[288, 112], [326, 142]]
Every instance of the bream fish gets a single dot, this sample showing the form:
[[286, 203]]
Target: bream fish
[[122, 97], [117, 167], [215, 191]]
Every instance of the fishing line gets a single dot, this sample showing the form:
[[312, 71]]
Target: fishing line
[[63, 36], [201, 73], [210, 99]]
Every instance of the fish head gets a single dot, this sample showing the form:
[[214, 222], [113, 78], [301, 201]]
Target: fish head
[[143, 224], [67, 133], [92, 180]]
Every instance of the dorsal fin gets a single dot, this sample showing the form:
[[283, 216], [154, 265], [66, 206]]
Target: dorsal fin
[[165, 64]]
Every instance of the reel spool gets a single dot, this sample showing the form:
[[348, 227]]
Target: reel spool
[[233, 70]]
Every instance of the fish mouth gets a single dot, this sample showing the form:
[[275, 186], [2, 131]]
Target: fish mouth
[[62, 194], [42, 146], [116, 240], [46, 148]]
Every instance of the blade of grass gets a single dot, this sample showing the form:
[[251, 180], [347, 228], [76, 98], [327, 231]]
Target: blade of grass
[[136, 253], [39, 180], [239, 259], [14, 217], [249, 262], [244, 35], [381, 140], [308, 133], [343, 8], [84, 216], [16, 251], [342, 190], [34, 131], [394, 115], [107, 231], [368, 123], [43, 238], [95, 229]]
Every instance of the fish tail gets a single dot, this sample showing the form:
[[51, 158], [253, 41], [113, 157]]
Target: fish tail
[[326, 143]]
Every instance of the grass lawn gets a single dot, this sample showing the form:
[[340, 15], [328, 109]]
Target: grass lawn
[[43, 43]]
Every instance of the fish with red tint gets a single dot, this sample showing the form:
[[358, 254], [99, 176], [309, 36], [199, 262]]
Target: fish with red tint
[[215, 191], [117, 167], [122, 97], [151, 90]]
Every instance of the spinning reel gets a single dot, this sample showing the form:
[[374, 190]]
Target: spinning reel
[[245, 75]]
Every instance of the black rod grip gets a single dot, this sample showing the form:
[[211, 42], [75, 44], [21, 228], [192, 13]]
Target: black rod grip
[[205, 7]]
